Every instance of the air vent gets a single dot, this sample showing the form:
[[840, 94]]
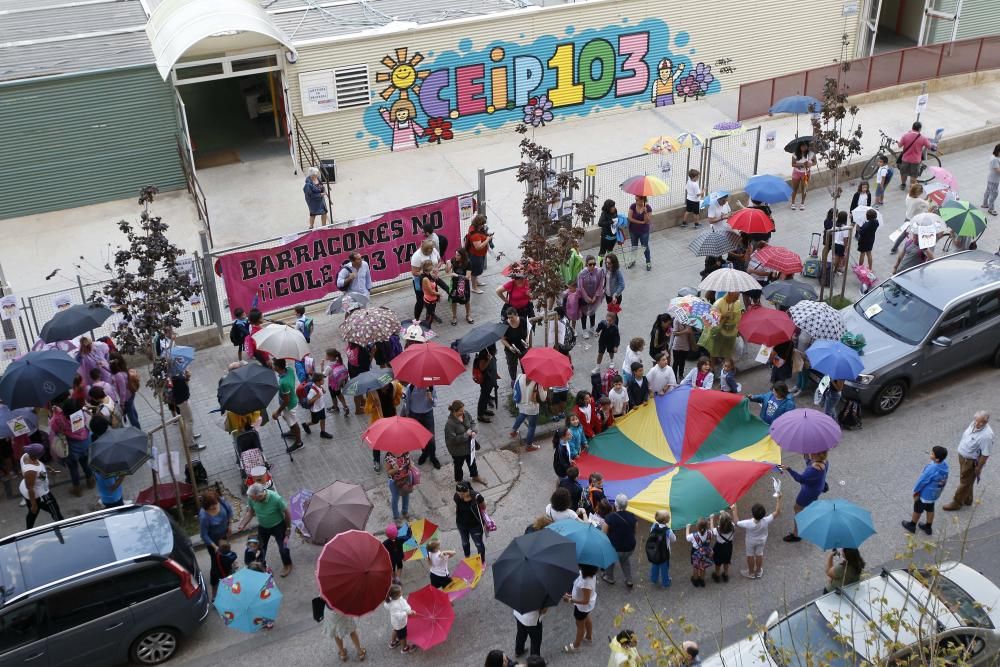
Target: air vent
[[352, 86]]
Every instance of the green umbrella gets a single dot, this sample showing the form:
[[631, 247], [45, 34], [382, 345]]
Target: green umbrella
[[963, 218]]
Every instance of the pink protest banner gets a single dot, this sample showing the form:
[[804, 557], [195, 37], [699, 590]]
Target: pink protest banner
[[306, 269]]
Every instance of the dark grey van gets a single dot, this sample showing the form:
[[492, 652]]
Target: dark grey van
[[104, 588]]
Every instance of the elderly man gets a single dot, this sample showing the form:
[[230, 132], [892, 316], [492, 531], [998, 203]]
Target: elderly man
[[273, 520], [355, 275], [973, 451]]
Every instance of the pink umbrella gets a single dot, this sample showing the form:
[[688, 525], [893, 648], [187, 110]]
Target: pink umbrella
[[944, 176], [433, 619]]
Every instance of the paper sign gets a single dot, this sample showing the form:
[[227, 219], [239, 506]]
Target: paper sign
[[61, 301], [849, 9], [77, 421], [591, 170], [196, 302], [9, 349], [185, 265], [922, 103], [763, 354], [466, 205], [926, 237], [163, 467], [873, 310], [8, 307], [769, 138], [665, 169], [18, 426]]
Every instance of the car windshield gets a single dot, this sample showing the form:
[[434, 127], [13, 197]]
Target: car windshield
[[806, 639], [958, 602], [898, 312]]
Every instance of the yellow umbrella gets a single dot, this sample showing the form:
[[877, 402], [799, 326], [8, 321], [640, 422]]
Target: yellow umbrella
[[690, 140], [661, 144]]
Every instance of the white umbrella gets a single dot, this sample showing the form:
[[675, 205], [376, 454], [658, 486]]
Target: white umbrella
[[927, 220], [729, 280], [818, 319], [860, 214], [282, 341]]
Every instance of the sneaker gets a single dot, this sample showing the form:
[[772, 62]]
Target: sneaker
[[595, 369], [748, 574], [909, 526], [992, 212], [436, 464], [697, 225], [325, 435], [649, 267], [376, 467], [630, 265], [666, 584], [586, 333], [532, 448], [605, 579], [198, 446], [716, 578], [792, 537], [296, 446], [760, 573], [725, 578], [926, 527], [409, 648], [684, 225], [305, 427]]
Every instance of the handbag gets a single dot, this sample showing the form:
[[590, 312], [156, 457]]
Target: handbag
[[414, 476], [60, 446], [404, 484], [899, 160], [489, 525]]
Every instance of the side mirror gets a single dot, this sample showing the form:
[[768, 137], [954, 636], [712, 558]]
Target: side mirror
[[942, 341]]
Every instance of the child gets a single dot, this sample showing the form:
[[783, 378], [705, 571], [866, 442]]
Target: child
[[440, 576], [604, 417], [882, 178], [254, 554], [701, 376], [608, 340], [774, 403], [632, 355], [428, 285], [638, 387], [315, 404], [756, 536], [570, 300], [928, 489], [399, 613], [618, 397], [727, 377], [840, 234], [561, 460], [239, 331], [336, 377], [584, 599], [394, 546], [594, 494], [722, 554], [226, 558], [658, 548], [586, 413], [692, 199], [304, 324], [578, 439], [701, 551]]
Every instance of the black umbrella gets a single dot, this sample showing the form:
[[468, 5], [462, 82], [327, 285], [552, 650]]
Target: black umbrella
[[248, 388], [794, 143], [481, 337], [787, 293], [120, 451], [368, 381], [75, 321], [534, 571], [36, 378]]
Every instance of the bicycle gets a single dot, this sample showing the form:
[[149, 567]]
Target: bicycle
[[893, 157]]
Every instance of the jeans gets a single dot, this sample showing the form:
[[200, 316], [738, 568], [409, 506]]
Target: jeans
[[485, 394], [680, 360], [47, 503], [661, 572], [459, 461], [523, 633], [623, 558], [426, 420], [830, 401], [278, 532], [395, 496], [512, 361], [642, 238], [990, 196], [131, 415], [78, 453], [532, 421], [477, 537]]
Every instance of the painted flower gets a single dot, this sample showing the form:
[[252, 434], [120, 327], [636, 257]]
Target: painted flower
[[688, 87], [538, 111], [703, 76], [438, 129]]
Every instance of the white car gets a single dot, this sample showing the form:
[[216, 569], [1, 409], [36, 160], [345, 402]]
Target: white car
[[960, 613]]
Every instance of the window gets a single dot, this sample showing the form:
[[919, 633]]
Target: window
[[805, 639], [72, 607], [260, 62], [898, 312], [18, 627], [957, 320], [197, 71], [987, 307], [146, 583], [958, 602], [352, 87]]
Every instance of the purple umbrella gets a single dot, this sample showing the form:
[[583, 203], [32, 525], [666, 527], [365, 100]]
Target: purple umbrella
[[297, 506], [805, 431]]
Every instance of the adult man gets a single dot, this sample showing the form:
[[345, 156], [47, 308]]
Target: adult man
[[661, 377], [531, 396], [287, 402], [273, 520], [973, 451], [419, 404], [355, 275], [913, 144], [427, 251]]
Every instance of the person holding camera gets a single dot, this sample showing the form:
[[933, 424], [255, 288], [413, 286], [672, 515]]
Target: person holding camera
[[477, 243], [845, 571]]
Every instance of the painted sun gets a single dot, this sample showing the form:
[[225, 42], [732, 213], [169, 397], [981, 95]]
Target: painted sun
[[402, 75]]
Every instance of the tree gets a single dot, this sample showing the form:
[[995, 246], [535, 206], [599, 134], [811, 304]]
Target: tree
[[551, 234]]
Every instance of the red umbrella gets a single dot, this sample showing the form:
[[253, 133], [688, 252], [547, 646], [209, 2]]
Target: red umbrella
[[427, 364], [751, 221], [547, 367], [396, 435], [432, 622], [354, 573], [766, 326], [779, 259]]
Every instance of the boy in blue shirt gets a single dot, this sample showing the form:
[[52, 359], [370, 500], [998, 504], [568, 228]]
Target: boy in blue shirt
[[928, 489], [774, 403]]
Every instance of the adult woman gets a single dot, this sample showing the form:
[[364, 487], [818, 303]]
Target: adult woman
[[469, 508], [720, 340], [866, 237], [590, 283], [560, 505], [214, 519], [315, 199], [607, 223], [399, 469], [359, 360], [477, 244], [802, 162], [992, 182], [682, 343], [67, 423], [812, 482], [459, 438], [461, 286], [847, 571], [486, 362], [660, 335], [739, 256], [120, 379], [620, 528], [862, 197], [514, 341], [584, 599], [614, 280], [383, 402], [640, 215], [915, 205], [517, 293], [35, 486]]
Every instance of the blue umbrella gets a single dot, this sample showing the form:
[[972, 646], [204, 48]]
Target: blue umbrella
[[592, 546], [713, 198], [7, 415], [36, 378], [835, 524], [768, 189], [182, 356], [248, 600], [833, 358], [797, 104]]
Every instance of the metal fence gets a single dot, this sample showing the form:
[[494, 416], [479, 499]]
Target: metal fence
[[730, 160]]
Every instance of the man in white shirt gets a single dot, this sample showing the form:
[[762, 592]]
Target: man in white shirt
[[529, 624], [974, 450], [661, 377], [718, 209], [426, 251], [355, 275]]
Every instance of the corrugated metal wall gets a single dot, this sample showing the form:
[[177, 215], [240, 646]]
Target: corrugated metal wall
[[759, 38], [84, 140], [980, 18]]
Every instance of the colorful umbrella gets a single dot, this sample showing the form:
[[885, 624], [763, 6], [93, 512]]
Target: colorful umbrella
[[433, 617], [945, 176], [74, 321], [297, 506], [963, 218], [689, 309], [787, 293], [427, 364], [422, 531], [661, 144], [690, 140], [397, 435], [363, 383], [534, 571], [833, 358], [694, 452], [282, 341], [67, 346], [248, 600], [714, 242], [336, 508], [818, 319], [766, 326], [729, 280], [465, 577], [752, 221], [592, 546], [369, 325], [806, 431], [36, 378], [547, 367], [647, 186], [354, 573], [939, 193], [835, 524], [768, 188], [779, 259]]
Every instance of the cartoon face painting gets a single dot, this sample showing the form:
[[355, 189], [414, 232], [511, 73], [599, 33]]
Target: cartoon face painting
[[663, 87]]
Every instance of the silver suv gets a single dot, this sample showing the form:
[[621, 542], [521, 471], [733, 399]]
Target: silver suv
[[925, 323]]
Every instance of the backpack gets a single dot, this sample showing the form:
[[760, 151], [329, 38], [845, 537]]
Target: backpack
[[200, 474], [302, 391], [608, 380], [302, 371], [338, 377], [569, 340], [133, 380], [305, 326], [657, 550], [517, 392], [238, 333]]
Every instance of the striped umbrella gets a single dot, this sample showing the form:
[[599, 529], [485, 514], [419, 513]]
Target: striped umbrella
[[647, 186], [690, 140], [729, 280], [963, 218], [779, 259], [714, 242]]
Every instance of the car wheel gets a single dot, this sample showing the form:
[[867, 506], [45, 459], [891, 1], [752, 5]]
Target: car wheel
[[889, 397], [154, 646]]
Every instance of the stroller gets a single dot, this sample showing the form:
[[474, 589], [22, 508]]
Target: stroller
[[250, 459]]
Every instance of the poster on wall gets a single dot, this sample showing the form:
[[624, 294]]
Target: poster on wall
[[8, 307], [61, 302], [9, 347], [306, 268], [318, 92]]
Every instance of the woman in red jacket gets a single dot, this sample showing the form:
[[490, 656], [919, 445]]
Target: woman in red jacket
[[586, 412]]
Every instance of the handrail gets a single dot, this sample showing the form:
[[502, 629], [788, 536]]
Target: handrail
[[302, 141], [194, 187]]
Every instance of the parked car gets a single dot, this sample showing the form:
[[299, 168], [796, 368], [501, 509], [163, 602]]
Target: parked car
[[104, 588], [957, 611], [925, 323]]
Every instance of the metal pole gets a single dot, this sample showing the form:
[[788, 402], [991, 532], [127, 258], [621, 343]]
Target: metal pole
[[482, 191], [208, 290], [756, 152], [923, 91]]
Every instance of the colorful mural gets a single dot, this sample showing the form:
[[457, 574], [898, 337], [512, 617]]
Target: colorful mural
[[428, 98]]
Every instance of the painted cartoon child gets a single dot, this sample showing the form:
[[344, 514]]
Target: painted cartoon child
[[405, 130], [663, 87]]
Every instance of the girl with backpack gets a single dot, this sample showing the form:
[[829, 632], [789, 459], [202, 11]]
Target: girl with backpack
[[336, 377], [701, 551], [658, 548], [722, 554]]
